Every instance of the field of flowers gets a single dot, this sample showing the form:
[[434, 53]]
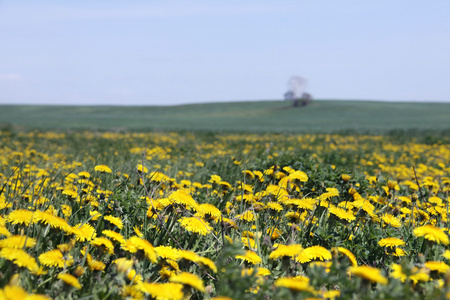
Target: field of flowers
[[130, 215]]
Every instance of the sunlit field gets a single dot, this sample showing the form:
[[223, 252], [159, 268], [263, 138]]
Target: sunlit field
[[122, 215]]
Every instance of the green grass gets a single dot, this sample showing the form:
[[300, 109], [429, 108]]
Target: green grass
[[262, 116]]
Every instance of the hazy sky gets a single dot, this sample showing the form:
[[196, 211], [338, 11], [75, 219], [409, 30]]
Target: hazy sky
[[172, 52]]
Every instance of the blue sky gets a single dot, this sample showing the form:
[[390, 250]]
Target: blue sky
[[176, 52]]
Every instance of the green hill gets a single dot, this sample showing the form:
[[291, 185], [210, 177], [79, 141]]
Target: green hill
[[262, 116]]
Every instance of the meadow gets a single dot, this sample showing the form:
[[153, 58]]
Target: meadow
[[259, 116], [223, 214], [167, 215]]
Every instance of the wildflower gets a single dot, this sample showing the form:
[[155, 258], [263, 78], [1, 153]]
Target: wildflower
[[346, 177], [368, 273], [248, 216], [207, 262], [20, 258], [84, 175], [286, 251], [123, 265], [432, 233], [342, 213], [20, 216], [141, 168], [103, 242], [399, 252], [4, 231], [351, 257], [250, 257], [69, 280], [102, 169], [314, 252], [18, 242], [209, 209], [391, 220], [188, 279], [114, 220], [275, 206], [438, 266], [397, 272], [169, 290], [196, 225], [66, 210], [298, 283], [114, 236], [185, 199], [84, 232], [138, 232], [167, 252], [419, 275], [95, 265], [54, 221], [55, 258], [391, 242], [135, 244]]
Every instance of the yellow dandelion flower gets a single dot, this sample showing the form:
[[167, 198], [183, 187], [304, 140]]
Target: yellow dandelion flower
[[419, 275], [351, 257], [209, 210], [18, 242], [114, 220], [84, 232], [123, 265], [168, 252], [314, 252], [207, 262], [446, 254], [397, 272], [298, 175], [55, 258], [298, 283], [69, 280], [391, 242], [114, 236], [103, 242], [438, 266], [4, 231], [368, 273], [432, 233], [103, 169], [96, 265], [131, 292], [346, 177], [188, 279], [66, 210], [20, 216], [182, 198], [342, 213], [250, 257], [141, 168], [286, 251], [196, 225], [188, 255], [173, 291], [138, 231], [20, 258], [248, 242], [391, 220], [134, 244], [54, 221], [84, 175], [248, 216]]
